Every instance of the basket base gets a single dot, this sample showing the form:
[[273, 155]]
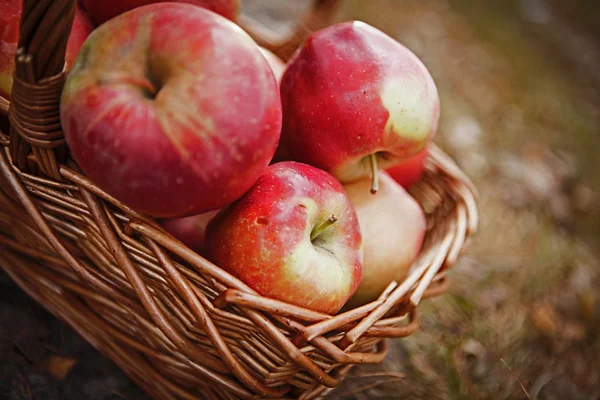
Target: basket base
[[75, 311]]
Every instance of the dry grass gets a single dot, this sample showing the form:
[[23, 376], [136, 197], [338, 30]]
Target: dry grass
[[523, 123]]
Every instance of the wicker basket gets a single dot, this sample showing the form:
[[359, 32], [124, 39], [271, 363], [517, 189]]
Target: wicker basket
[[179, 326]]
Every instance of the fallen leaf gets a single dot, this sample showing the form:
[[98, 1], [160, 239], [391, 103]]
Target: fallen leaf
[[545, 320], [59, 367]]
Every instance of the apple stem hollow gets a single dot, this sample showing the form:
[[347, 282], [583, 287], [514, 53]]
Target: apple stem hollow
[[374, 176], [322, 227]]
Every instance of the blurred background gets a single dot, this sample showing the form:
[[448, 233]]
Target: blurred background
[[520, 89]]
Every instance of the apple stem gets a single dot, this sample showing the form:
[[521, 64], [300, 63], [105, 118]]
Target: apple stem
[[374, 176], [319, 229]]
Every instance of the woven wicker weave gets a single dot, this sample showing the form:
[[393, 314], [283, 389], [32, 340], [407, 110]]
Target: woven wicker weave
[[182, 329]]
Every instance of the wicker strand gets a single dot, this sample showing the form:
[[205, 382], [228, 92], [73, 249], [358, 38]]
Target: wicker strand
[[182, 286], [37, 217], [37, 85], [142, 291]]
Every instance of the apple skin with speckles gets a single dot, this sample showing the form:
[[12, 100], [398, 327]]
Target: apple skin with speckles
[[10, 16], [276, 238], [351, 92], [102, 10], [171, 109]]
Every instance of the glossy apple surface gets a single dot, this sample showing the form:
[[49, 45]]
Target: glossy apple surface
[[409, 171], [280, 241], [351, 93], [171, 109], [102, 10], [10, 14], [393, 225]]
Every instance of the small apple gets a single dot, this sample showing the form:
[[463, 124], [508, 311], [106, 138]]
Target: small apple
[[102, 10], [190, 230], [393, 225], [293, 237], [171, 109], [276, 64], [354, 98], [409, 171], [10, 15]]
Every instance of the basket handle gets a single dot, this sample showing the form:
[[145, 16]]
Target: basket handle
[[317, 18], [38, 80]]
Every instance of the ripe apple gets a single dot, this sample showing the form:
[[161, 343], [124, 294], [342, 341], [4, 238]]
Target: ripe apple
[[393, 225], [10, 15], [409, 171], [276, 64], [102, 10], [293, 237], [190, 230], [172, 110], [354, 98]]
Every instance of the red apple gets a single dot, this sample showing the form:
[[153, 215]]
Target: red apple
[[409, 171], [276, 64], [10, 15], [293, 237], [353, 98], [190, 230], [102, 10], [393, 225], [171, 109]]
